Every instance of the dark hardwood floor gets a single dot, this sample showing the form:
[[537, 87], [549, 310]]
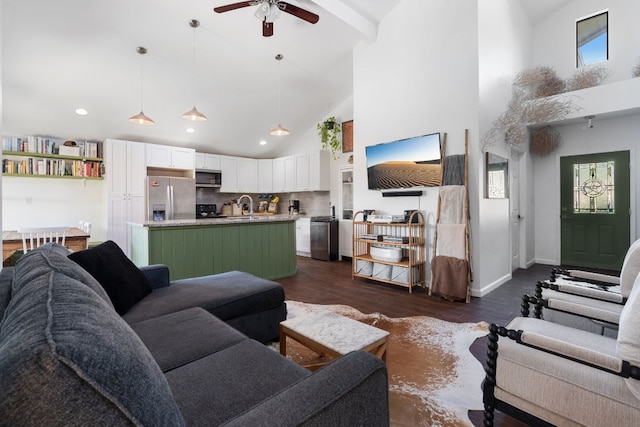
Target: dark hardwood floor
[[321, 282]]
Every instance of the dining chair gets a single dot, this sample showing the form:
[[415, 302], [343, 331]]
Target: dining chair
[[85, 226], [38, 236]]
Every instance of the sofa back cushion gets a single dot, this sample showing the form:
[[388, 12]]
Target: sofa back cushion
[[124, 282], [66, 356], [630, 269], [628, 342]]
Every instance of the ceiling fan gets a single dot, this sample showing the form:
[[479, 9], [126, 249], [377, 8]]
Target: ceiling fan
[[268, 11]]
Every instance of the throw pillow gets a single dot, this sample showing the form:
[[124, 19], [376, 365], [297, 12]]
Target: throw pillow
[[628, 343], [121, 279]]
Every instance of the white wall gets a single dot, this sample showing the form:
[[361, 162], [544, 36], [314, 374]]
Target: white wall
[[554, 45], [504, 51], [554, 38], [408, 83], [43, 202]]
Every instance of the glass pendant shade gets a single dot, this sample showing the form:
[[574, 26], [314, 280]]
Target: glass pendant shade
[[141, 119], [194, 115], [279, 131]]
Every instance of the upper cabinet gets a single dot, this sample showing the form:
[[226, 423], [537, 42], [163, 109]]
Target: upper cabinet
[[207, 162], [319, 164], [265, 176], [278, 175], [248, 175], [164, 156]]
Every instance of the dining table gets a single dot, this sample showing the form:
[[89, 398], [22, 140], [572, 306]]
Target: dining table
[[75, 239]]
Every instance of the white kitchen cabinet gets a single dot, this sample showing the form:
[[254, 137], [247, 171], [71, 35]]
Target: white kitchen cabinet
[[125, 163], [290, 173], [319, 169], [165, 156], [207, 162], [303, 237], [265, 176], [279, 175], [229, 171], [302, 172], [345, 211], [247, 175]]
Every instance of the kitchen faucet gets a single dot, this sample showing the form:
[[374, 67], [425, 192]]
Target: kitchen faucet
[[250, 202]]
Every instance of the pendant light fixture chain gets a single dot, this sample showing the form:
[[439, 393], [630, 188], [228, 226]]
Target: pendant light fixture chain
[[279, 130]]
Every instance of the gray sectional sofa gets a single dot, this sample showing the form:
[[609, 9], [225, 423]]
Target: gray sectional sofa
[[77, 350]]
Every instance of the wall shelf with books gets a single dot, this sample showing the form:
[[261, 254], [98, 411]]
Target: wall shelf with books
[[42, 157]]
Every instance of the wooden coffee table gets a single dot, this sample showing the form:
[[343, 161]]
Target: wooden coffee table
[[331, 334]]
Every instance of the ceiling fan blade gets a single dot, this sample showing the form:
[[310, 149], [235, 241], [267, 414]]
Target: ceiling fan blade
[[233, 6], [267, 28], [298, 12]]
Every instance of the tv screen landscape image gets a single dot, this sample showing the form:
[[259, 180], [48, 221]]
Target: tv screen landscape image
[[406, 163]]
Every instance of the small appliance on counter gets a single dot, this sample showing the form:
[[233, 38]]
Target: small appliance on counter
[[205, 211], [294, 207]]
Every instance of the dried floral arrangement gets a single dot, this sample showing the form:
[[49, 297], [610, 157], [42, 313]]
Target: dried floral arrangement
[[636, 70], [530, 104], [544, 140], [540, 82], [587, 77]]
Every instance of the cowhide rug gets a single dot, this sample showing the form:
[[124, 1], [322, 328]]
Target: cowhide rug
[[433, 378]]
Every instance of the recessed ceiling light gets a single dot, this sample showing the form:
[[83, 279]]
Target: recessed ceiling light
[[81, 111], [263, 142], [190, 130]]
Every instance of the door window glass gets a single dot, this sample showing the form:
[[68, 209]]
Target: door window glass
[[593, 188], [592, 40]]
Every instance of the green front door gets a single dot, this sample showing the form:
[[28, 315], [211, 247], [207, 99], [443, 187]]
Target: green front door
[[594, 204]]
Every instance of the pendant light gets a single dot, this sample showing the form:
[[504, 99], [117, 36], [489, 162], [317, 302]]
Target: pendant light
[[141, 118], [279, 130], [194, 115]]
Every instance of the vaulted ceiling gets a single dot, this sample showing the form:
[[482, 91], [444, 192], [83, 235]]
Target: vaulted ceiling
[[64, 54]]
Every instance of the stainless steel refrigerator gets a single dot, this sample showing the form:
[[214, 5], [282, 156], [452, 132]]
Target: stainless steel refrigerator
[[170, 198]]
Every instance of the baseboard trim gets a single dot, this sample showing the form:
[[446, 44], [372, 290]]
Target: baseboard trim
[[491, 286]]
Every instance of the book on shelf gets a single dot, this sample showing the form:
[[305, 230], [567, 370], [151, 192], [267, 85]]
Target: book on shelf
[[48, 145]]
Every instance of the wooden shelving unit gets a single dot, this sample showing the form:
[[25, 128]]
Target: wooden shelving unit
[[410, 270], [26, 164]]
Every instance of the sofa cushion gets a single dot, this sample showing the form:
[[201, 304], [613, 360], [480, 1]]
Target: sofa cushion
[[124, 282], [6, 280], [225, 295], [237, 378], [178, 338], [66, 357]]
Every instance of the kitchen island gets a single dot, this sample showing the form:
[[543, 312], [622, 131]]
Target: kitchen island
[[264, 246]]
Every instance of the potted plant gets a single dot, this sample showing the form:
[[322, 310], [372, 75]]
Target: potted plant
[[328, 132]]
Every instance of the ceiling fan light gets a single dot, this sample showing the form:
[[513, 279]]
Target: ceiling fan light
[[194, 115], [263, 11], [141, 119], [275, 12], [279, 131]]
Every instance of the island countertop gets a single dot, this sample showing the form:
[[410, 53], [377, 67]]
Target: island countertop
[[244, 219], [263, 245]]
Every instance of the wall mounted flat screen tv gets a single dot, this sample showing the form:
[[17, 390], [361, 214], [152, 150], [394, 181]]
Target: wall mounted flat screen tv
[[406, 163]]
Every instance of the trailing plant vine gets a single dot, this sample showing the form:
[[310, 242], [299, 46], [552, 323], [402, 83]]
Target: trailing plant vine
[[328, 132]]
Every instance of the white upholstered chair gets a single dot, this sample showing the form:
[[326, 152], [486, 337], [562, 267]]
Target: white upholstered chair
[[38, 236], [586, 300], [540, 370]]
